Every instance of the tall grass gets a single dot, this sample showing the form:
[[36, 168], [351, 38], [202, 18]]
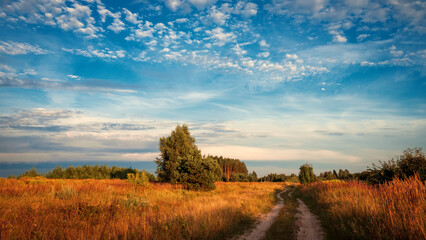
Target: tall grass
[[356, 210], [38, 208]]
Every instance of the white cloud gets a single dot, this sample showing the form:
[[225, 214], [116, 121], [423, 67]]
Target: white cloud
[[106, 53], [173, 5], [339, 38], [217, 16], [238, 50], [362, 37], [17, 48], [295, 7], [263, 43], [246, 9], [201, 4], [75, 77], [395, 52], [248, 153], [291, 56], [116, 26], [131, 17], [182, 20], [263, 54], [220, 36]]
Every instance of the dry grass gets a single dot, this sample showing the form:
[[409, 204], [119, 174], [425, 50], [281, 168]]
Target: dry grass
[[356, 210], [38, 208]]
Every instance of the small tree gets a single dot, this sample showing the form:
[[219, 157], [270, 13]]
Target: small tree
[[306, 174]]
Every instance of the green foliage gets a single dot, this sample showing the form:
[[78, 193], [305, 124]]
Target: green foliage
[[30, 173], [273, 177], [229, 166], [306, 174], [173, 149], [139, 178], [411, 162], [331, 175], [199, 174], [87, 171], [243, 177]]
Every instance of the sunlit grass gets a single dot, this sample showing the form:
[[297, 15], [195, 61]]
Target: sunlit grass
[[38, 208], [356, 210]]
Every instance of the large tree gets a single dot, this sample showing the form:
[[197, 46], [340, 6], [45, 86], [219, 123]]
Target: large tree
[[180, 145]]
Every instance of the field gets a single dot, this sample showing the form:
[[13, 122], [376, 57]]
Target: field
[[356, 210], [39, 208]]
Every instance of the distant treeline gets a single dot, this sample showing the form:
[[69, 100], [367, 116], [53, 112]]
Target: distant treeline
[[273, 177], [341, 175], [230, 166], [87, 171]]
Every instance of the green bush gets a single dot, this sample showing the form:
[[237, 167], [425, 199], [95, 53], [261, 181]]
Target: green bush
[[138, 178], [198, 174]]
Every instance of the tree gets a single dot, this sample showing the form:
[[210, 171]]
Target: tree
[[306, 174], [178, 146]]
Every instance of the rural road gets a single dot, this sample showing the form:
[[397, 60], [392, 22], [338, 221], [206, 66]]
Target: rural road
[[308, 224], [309, 227], [260, 229]]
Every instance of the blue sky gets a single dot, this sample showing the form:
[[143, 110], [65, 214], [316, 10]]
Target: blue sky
[[334, 83]]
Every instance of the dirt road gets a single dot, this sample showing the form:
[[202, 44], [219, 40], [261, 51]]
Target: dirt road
[[308, 224], [258, 232]]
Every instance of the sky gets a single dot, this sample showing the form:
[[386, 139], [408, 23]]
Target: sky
[[273, 83]]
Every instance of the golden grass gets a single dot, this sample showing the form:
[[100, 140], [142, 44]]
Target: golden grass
[[39, 208], [356, 210]]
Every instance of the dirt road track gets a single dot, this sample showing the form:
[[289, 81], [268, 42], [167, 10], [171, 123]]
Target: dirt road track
[[308, 224], [258, 232]]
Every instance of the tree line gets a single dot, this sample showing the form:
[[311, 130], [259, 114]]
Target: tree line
[[88, 171]]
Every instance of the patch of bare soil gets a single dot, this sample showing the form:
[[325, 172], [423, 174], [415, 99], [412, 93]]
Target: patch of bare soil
[[258, 232], [308, 224]]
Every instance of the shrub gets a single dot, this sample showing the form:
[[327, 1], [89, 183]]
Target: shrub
[[198, 174], [138, 178]]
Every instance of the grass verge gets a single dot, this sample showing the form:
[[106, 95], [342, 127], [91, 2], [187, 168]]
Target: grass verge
[[357, 210]]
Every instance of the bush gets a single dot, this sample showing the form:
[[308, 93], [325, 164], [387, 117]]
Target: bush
[[198, 174], [138, 178], [412, 161]]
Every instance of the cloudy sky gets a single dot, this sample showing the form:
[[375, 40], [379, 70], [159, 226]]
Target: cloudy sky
[[330, 82]]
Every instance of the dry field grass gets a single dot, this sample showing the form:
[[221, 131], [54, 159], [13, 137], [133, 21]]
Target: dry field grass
[[39, 208], [356, 210]]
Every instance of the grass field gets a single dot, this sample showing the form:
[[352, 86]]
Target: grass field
[[356, 210], [39, 208]]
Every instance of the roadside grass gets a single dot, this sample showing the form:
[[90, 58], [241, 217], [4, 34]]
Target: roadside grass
[[284, 226], [357, 210], [39, 208]]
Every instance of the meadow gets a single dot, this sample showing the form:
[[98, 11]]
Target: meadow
[[357, 210], [40, 208]]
